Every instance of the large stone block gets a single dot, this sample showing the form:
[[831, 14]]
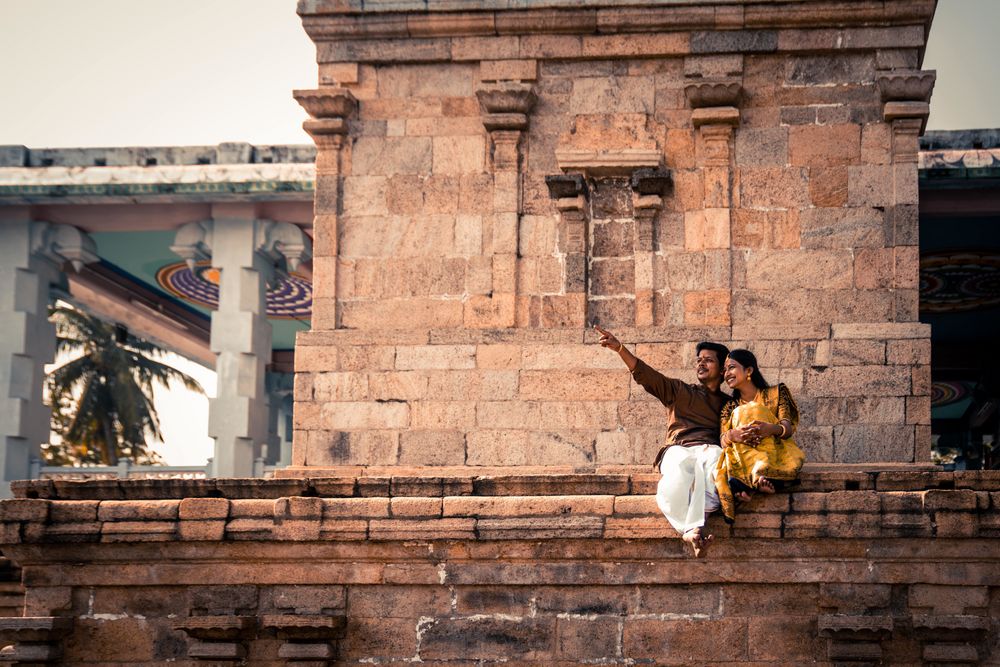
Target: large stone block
[[824, 145]]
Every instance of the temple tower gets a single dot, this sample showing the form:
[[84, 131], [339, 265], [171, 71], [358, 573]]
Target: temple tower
[[493, 180]]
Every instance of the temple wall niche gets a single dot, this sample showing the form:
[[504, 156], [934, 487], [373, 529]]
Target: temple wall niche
[[756, 188]]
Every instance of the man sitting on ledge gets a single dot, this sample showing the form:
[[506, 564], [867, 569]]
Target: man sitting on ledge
[[686, 493]]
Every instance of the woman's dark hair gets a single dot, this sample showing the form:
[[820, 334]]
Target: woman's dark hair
[[746, 359]]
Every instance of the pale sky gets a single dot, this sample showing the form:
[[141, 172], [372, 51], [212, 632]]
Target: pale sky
[[187, 72], [201, 72]]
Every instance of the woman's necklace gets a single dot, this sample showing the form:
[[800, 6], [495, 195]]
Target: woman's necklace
[[749, 399]]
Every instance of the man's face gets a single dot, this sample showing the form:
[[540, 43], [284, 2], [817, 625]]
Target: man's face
[[707, 367]]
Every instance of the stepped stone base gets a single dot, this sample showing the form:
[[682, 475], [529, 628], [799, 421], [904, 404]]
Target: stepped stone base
[[855, 566]]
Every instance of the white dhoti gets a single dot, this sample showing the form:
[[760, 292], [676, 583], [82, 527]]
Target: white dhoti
[[686, 491]]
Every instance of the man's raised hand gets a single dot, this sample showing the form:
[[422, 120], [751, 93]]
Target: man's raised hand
[[607, 339]]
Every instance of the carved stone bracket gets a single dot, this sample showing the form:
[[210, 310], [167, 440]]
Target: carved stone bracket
[[36, 639], [906, 95], [218, 638], [648, 188], [707, 94], [281, 243], [505, 106], [63, 243], [951, 639], [854, 638], [329, 108], [906, 85], [308, 639], [571, 193], [714, 102]]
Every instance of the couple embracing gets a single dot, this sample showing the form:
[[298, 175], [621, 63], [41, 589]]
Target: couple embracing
[[720, 450]]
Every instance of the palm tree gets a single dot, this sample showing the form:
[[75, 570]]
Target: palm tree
[[102, 399]]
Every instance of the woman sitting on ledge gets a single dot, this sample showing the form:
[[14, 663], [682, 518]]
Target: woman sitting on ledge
[[757, 427]]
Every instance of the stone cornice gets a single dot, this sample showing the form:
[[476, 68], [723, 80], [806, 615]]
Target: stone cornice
[[33, 185], [326, 20]]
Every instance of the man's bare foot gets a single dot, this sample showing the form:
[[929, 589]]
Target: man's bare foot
[[698, 543], [765, 486]]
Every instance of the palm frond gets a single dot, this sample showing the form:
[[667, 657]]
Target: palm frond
[[102, 401]]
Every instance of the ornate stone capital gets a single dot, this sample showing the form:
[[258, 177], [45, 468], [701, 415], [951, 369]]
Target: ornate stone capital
[[705, 94], [650, 181], [951, 637], [906, 85], [217, 637], [330, 109], [63, 243], [276, 241], [854, 638], [36, 639], [306, 637], [507, 97], [906, 95], [505, 105], [566, 186]]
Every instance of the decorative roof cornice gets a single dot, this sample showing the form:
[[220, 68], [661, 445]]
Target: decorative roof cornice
[[244, 182], [330, 20]]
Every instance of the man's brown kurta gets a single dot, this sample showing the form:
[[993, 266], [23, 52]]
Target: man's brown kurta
[[692, 410]]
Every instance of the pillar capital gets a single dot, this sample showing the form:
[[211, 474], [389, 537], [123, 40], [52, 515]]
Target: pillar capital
[[906, 96], [62, 243], [706, 94], [329, 108], [506, 104], [278, 242]]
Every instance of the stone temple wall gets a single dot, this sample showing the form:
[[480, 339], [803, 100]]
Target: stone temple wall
[[466, 488], [491, 182]]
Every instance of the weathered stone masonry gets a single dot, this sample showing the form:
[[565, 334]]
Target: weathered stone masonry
[[500, 178], [466, 486], [527, 569]]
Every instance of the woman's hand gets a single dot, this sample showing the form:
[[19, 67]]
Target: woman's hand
[[747, 435], [766, 429]]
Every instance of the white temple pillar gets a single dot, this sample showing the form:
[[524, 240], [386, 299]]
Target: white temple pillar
[[249, 254], [31, 258]]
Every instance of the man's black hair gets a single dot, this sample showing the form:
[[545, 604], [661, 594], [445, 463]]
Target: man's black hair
[[721, 351]]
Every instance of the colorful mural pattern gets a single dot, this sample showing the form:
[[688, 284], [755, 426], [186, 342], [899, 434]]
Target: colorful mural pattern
[[289, 299]]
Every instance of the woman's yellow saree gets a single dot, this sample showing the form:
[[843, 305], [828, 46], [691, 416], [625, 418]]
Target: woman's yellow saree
[[742, 466]]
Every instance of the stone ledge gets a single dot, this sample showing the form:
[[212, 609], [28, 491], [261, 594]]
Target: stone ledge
[[606, 507], [430, 481]]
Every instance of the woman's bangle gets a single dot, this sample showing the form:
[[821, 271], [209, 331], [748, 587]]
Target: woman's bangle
[[621, 346], [785, 432]]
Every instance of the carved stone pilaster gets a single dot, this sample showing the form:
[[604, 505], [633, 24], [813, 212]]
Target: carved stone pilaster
[[308, 639], [951, 639], [905, 96], [715, 114], [220, 638], [648, 188], [854, 638], [505, 106], [331, 110], [36, 639], [570, 192]]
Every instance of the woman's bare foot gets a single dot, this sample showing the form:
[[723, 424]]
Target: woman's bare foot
[[765, 486], [698, 543], [743, 496]]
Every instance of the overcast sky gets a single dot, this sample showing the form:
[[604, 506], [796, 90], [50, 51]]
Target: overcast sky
[[171, 72]]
